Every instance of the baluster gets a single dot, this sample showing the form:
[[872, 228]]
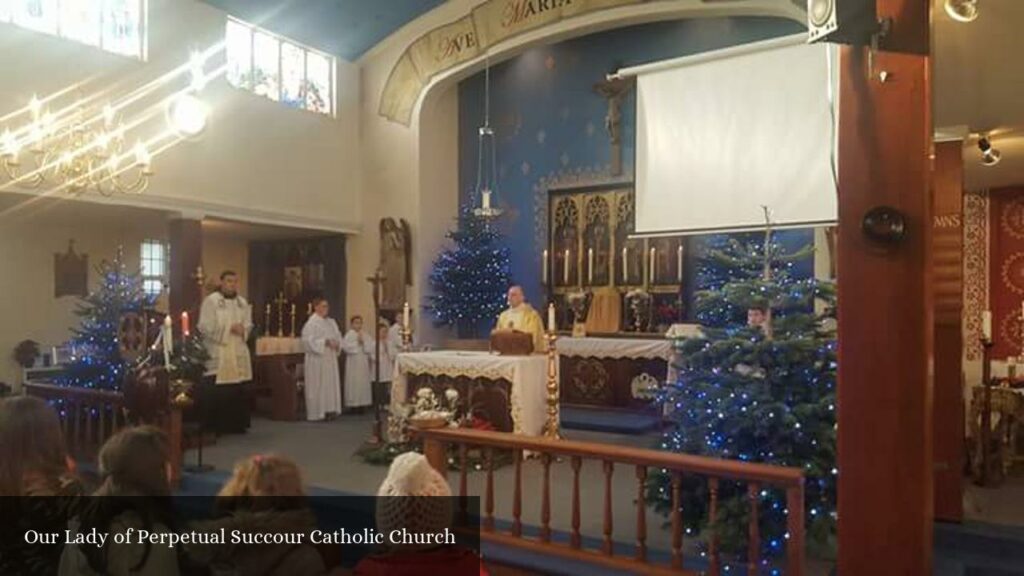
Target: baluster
[[677, 521], [712, 524], [575, 538], [89, 427], [795, 529], [545, 505], [103, 424], [754, 530], [463, 472], [606, 547], [489, 494], [73, 427], [517, 494], [641, 514], [64, 423]]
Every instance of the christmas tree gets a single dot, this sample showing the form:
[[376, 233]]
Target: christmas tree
[[757, 390], [97, 361], [470, 280]]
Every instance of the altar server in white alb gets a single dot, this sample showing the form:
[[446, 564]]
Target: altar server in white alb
[[389, 350], [321, 340], [225, 321], [357, 366]]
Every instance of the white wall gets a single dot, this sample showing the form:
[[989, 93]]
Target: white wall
[[258, 161]]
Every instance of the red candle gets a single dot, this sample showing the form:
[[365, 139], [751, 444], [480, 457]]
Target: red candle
[[184, 323]]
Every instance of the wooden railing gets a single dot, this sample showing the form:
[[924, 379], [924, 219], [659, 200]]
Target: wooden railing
[[756, 476], [89, 417]]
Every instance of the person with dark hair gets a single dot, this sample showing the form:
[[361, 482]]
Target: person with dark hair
[[225, 321], [357, 366], [134, 495], [321, 340], [33, 462]]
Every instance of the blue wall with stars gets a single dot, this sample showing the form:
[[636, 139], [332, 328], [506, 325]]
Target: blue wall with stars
[[549, 123]]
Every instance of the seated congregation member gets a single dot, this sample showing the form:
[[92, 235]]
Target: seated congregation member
[[416, 498], [321, 341], [357, 366], [265, 494], [135, 493], [33, 462]]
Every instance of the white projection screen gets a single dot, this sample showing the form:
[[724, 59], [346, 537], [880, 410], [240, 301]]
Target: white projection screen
[[720, 135]]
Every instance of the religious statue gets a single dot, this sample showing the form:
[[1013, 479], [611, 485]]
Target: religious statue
[[615, 91], [395, 262]]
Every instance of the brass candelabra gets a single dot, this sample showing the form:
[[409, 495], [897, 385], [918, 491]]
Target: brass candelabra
[[406, 333], [552, 427]]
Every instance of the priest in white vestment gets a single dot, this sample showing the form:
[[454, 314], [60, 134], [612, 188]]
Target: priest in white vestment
[[522, 317], [225, 321], [321, 340], [357, 366]]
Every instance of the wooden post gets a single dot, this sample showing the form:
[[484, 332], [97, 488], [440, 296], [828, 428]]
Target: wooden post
[[173, 429], [947, 282], [885, 325], [435, 451]]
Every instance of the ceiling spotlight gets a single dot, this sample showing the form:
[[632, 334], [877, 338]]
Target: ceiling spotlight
[[989, 155], [187, 115], [962, 10]]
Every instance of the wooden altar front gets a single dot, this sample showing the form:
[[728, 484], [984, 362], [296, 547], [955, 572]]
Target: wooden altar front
[[611, 373]]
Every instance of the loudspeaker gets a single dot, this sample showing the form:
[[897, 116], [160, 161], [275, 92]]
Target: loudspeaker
[[841, 21]]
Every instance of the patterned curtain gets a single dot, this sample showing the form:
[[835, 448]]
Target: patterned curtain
[[1006, 271]]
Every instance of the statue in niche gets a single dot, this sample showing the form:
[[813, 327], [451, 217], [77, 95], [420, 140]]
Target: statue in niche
[[395, 262], [615, 91]]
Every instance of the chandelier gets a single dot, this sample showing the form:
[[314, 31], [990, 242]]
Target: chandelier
[[486, 174], [80, 151]]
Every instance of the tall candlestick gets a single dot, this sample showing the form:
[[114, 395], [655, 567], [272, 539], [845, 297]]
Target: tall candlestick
[[565, 268], [679, 264], [405, 315], [625, 265], [266, 319], [590, 265], [544, 268], [986, 326], [651, 273], [293, 319], [184, 324], [551, 319]]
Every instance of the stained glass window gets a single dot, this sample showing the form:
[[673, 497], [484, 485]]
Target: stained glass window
[[79, 20], [116, 26], [238, 45], [278, 68], [266, 64]]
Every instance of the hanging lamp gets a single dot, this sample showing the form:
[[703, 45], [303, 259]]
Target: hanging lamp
[[486, 175]]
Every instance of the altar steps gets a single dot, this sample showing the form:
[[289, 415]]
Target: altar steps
[[609, 421]]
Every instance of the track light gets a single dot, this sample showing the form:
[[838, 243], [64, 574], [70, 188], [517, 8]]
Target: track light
[[962, 10], [989, 155]]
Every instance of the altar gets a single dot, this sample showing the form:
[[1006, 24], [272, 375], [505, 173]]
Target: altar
[[507, 391], [611, 372]]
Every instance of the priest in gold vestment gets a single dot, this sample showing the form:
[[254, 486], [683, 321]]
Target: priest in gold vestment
[[522, 317]]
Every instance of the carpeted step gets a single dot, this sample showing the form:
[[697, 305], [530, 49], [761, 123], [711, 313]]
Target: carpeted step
[[978, 549], [611, 421]]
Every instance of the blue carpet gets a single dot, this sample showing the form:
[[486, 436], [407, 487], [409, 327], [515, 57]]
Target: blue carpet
[[978, 549], [611, 421]]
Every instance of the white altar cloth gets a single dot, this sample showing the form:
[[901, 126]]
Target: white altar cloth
[[528, 375], [272, 345], [614, 348]]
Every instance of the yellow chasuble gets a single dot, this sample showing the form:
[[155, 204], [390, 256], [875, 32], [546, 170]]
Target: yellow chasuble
[[524, 319]]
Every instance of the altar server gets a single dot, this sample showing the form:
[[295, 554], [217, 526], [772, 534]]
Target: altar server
[[520, 316], [321, 340], [389, 349], [225, 320], [357, 365]]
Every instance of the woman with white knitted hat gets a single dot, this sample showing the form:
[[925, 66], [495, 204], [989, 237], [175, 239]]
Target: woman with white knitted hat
[[415, 499]]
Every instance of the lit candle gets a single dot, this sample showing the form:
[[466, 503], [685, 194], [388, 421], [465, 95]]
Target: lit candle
[[651, 271], [679, 264], [168, 340], [986, 326], [544, 268], [565, 269], [486, 194], [53, 356], [625, 265], [590, 265], [184, 323], [551, 318], [405, 315]]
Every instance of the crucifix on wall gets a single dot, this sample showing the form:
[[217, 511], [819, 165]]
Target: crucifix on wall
[[615, 91]]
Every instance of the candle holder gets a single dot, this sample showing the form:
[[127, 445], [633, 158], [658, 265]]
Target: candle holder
[[552, 426], [293, 320], [406, 333]]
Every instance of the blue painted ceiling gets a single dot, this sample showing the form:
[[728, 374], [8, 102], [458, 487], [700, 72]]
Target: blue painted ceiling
[[346, 28]]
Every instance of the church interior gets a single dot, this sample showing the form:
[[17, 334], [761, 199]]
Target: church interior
[[658, 286]]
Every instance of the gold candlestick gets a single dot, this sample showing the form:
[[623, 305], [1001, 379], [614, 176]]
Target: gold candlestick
[[280, 300], [406, 333], [552, 425], [293, 320]]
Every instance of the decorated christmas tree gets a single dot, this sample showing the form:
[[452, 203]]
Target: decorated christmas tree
[[97, 360], [470, 280], [759, 386]]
